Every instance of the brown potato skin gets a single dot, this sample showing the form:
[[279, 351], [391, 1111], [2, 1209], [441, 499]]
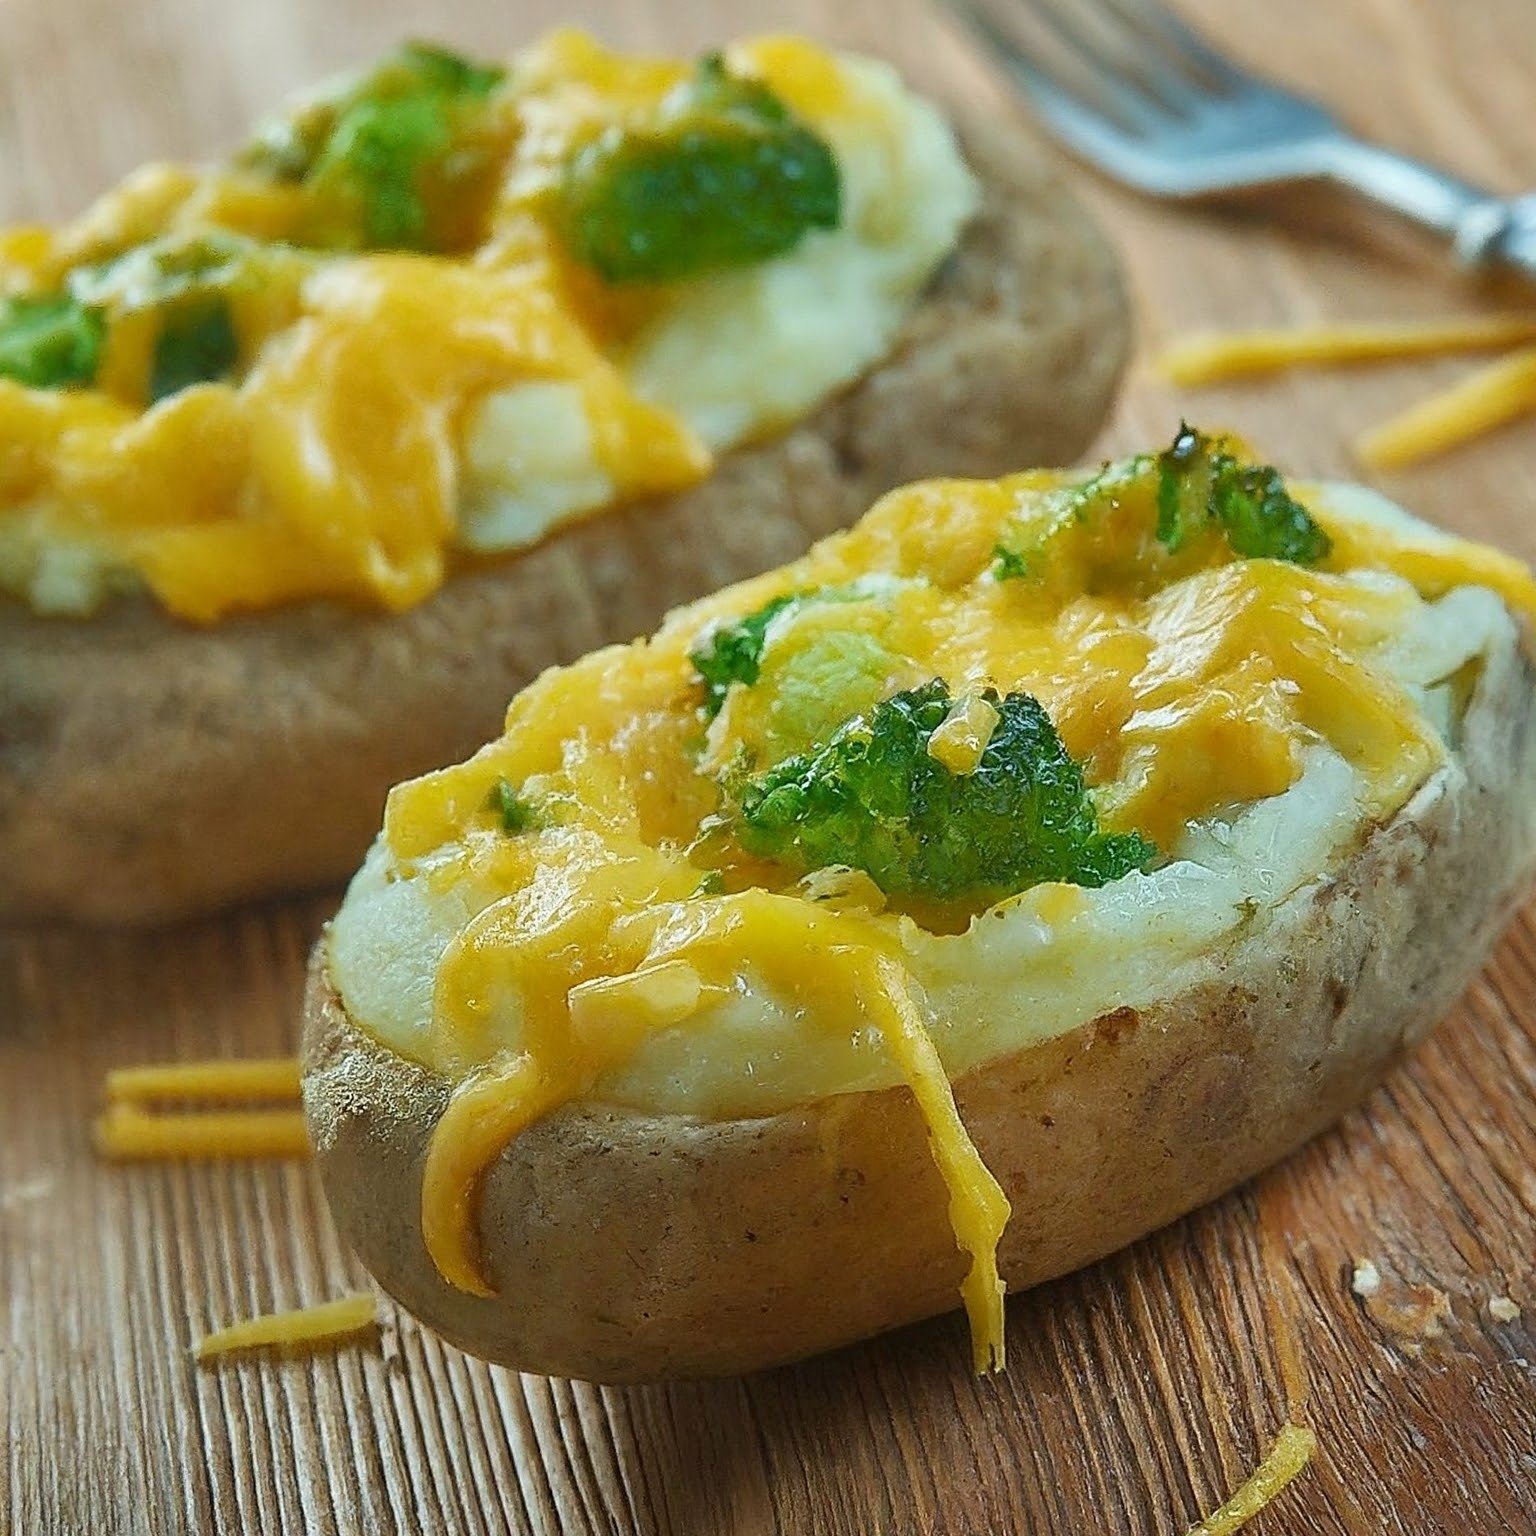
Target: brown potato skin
[[150, 769], [628, 1247]]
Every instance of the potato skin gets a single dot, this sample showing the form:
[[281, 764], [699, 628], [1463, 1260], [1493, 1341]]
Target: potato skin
[[628, 1247], [149, 769]]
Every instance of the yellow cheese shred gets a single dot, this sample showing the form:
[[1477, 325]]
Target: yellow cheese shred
[[1292, 1450], [497, 1103], [268, 1078], [1477, 404], [486, 1113], [303, 1328], [126, 1132], [1211, 357], [978, 1208]]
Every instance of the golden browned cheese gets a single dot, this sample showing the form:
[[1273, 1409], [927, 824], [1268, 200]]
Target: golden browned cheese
[[1184, 683], [331, 468]]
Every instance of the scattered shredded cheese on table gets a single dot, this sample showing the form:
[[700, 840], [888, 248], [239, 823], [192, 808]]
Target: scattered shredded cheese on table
[[274, 1078], [1483, 400], [126, 1132], [1291, 1452], [1210, 357], [306, 1327]]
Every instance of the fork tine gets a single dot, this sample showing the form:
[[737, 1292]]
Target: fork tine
[[1114, 71], [1180, 44], [1085, 95], [1086, 129], [1137, 40]]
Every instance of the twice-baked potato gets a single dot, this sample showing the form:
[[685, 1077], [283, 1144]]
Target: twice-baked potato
[[1069, 846], [313, 463]]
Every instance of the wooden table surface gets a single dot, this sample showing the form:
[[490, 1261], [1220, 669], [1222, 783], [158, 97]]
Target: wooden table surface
[[1140, 1391]]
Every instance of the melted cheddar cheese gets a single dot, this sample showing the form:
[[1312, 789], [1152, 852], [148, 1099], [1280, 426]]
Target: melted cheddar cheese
[[393, 414], [322, 1326], [1250, 716]]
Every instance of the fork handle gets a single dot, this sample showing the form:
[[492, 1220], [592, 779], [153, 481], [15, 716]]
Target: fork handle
[[1485, 231]]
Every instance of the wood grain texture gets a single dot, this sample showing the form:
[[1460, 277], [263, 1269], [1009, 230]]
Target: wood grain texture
[[1140, 1391]]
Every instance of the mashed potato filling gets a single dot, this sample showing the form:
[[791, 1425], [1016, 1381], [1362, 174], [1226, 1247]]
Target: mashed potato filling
[[392, 413], [1252, 716], [575, 913]]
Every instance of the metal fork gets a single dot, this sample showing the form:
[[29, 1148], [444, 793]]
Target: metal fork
[[1138, 93]]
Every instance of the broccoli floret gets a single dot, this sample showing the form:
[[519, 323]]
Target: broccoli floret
[[374, 158], [514, 811], [391, 156], [186, 281], [51, 342], [874, 799], [813, 684], [734, 653], [723, 177], [1197, 488], [1066, 506], [1198, 484], [1010, 564], [820, 680], [197, 344]]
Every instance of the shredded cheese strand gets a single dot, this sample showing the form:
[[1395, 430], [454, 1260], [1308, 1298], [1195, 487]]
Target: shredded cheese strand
[[331, 1322], [1209, 358], [1292, 1450], [489, 1109], [1480, 402], [275, 1078], [127, 1133], [978, 1208], [486, 1113]]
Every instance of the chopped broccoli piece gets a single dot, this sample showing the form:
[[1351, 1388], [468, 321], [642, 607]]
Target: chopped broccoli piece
[[874, 799], [1010, 564], [724, 176], [814, 684], [711, 883], [50, 342], [374, 157], [196, 344], [161, 271], [1196, 488], [515, 812], [186, 281], [390, 155], [1185, 482], [1198, 484], [734, 653], [444, 70], [1064, 507]]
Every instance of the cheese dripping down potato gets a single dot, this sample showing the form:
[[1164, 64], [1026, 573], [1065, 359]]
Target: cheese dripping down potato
[[933, 914]]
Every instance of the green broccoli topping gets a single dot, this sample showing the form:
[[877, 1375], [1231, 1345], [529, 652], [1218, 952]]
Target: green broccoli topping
[[514, 810], [197, 344], [734, 653], [1071, 504], [873, 798], [1196, 488], [1010, 564], [723, 177], [1198, 484], [393, 154], [186, 281], [51, 342], [816, 682]]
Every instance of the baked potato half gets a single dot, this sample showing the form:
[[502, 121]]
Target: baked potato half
[[152, 766], [1279, 799]]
